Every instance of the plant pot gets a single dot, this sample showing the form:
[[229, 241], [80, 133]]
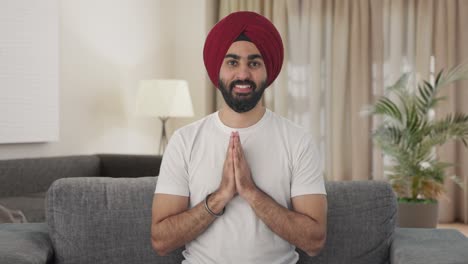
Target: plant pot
[[417, 215]]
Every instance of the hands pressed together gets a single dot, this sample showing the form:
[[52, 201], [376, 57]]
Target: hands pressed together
[[237, 178]]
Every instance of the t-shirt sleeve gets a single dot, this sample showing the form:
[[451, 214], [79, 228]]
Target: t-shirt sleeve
[[307, 175], [173, 173]]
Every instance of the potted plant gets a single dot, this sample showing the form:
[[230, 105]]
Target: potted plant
[[408, 135]]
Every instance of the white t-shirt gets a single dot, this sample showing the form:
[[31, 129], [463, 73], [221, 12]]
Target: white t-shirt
[[284, 163]]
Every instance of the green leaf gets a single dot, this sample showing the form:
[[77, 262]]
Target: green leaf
[[437, 80], [418, 201], [385, 106]]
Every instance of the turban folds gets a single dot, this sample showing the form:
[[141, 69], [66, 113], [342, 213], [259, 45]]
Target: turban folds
[[257, 28]]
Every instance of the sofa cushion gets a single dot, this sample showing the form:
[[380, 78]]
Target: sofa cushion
[[25, 244], [103, 220], [361, 222], [417, 246]]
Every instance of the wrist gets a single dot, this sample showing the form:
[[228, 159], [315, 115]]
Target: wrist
[[213, 212], [216, 202], [249, 194], [223, 196]]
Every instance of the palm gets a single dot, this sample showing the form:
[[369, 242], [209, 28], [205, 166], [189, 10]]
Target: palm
[[409, 133]]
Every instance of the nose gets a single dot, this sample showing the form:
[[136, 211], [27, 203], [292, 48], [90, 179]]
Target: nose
[[243, 72]]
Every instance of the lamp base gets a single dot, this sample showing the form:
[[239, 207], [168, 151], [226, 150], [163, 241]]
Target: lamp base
[[163, 139]]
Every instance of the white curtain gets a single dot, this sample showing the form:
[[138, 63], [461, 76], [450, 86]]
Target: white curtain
[[330, 80]]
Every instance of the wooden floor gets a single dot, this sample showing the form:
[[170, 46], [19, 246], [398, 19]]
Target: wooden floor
[[459, 226]]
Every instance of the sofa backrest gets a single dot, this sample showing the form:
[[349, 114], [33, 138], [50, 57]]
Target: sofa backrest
[[106, 220], [33, 175], [129, 165]]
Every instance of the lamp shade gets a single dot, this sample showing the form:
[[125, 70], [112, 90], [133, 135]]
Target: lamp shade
[[164, 98]]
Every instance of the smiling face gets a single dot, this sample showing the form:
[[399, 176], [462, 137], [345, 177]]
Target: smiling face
[[242, 77]]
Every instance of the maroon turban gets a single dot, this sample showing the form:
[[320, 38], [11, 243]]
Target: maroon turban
[[257, 28]]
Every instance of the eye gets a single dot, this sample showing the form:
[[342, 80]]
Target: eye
[[255, 64], [232, 62]]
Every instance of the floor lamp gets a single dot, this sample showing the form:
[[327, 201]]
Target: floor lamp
[[164, 99]]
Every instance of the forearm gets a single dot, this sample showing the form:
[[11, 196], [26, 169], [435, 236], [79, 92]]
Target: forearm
[[177, 230], [298, 229]]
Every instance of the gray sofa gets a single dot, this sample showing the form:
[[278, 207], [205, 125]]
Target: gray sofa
[[24, 182], [108, 220]]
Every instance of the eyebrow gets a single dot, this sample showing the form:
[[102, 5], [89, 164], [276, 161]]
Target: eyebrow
[[254, 56], [250, 57]]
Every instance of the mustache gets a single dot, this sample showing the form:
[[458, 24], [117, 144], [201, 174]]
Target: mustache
[[242, 82]]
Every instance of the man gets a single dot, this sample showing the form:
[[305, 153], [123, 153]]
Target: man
[[242, 185]]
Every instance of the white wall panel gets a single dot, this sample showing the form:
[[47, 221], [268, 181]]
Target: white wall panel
[[29, 70]]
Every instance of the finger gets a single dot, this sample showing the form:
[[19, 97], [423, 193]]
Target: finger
[[238, 147], [230, 145], [228, 161], [233, 140], [231, 160], [235, 157]]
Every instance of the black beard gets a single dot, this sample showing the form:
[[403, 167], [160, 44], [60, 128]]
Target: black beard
[[242, 103]]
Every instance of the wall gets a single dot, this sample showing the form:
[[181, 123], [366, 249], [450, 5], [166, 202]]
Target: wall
[[106, 47], [192, 22]]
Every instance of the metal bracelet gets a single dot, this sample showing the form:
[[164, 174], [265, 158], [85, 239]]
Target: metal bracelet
[[208, 209]]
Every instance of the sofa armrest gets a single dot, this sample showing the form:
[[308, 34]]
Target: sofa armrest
[[25, 244], [427, 245], [129, 165]]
